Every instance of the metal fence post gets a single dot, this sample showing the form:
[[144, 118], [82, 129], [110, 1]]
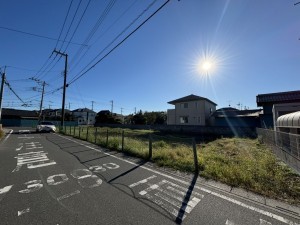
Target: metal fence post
[[106, 137], [195, 156], [96, 132], [150, 146], [122, 140], [87, 133], [79, 132], [74, 132], [70, 130]]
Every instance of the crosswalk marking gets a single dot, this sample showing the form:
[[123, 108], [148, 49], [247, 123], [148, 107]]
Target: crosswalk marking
[[175, 199], [263, 222]]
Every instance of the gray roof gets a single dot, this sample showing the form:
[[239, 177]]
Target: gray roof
[[232, 112], [19, 113], [83, 110], [190, 98], [279, 97]]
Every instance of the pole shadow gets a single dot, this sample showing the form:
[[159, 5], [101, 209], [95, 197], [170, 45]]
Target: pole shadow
[[186, 199]]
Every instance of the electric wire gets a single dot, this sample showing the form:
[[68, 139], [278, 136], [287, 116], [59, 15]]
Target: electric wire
[[119, 35], [121, 42], [83, 55], [95, 28], [71, 24], [64, 23], [10, 88], [78, 24], [38, 35]]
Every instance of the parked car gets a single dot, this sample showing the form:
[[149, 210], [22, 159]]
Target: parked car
[[45, 127]]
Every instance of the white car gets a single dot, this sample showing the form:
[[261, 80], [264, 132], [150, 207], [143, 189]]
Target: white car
[[45, 127]]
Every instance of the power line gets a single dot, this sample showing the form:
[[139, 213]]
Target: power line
[[120, 34], [64, 24], [121, 42], [38, 35], [78, 24], [94, 29], [71, 23], [8, 85]]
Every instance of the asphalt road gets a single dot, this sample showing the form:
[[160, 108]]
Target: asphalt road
[[55, 179]]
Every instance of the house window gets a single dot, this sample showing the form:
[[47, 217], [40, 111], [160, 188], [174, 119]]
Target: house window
[[199, 119], [196, 105], [184, 105], [184, 119]]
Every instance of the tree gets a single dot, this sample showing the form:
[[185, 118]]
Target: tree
[[105, 116], [139, 118]]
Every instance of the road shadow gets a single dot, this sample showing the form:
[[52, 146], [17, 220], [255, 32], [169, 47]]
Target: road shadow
[[139, 164], [186, 199]]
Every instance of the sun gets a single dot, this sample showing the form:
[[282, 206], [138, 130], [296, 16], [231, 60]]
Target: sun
[[206, 66]]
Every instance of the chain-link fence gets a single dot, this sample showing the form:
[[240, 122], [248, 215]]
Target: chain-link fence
[[171, 151], [285, 145]]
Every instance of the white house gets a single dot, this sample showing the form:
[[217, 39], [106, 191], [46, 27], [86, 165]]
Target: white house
[[190, 110], [84, 116]]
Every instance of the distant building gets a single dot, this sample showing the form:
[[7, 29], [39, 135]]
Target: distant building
[[84, 116], [231, 117], [190, 110], [277, 104], [18, 117]]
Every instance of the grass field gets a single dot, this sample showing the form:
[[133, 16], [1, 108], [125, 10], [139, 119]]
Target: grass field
[[238, 162]]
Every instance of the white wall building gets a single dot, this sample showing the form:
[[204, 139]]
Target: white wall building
[[84, 116], [190, 110]]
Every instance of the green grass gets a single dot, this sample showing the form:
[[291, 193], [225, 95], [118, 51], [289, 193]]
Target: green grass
[[2, 134], [248, 164], [238, 162]]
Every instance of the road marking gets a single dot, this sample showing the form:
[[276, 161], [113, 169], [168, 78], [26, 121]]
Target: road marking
[[18, 149], [68, 195], [5, 189], [24, 131], [239, 203], [142, 181], [33, 160], [169, 196], [263, 222], [228, 222], [5, 139], [23, 211], [51, 181]]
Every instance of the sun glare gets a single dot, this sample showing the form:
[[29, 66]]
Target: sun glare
[[206, 66]]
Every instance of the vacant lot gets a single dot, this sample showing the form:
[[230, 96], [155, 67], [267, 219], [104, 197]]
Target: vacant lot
[[238, 162]]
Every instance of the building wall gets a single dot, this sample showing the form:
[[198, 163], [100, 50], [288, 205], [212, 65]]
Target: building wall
[[171, 117], [85, 118], [191, 113]]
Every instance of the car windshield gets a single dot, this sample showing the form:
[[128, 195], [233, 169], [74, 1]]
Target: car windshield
[[46, 123]]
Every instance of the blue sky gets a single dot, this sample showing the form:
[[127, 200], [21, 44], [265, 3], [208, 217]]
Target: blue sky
[[252, 44]]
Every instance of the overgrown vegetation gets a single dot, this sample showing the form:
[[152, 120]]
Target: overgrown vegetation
[[1, 134], [238, 162]]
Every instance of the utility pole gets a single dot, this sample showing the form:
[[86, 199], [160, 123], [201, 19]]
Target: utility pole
[[41, 105], [1, 94], [64, 87], [112, 106], [93, 105]]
